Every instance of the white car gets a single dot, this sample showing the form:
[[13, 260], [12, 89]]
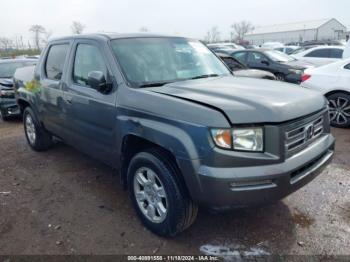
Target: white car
[[272, 45], [321, 55], [333, 81], [287, 49], [225, 45], [346, 53]]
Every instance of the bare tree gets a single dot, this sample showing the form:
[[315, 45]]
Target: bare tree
[[5, 43], [77, 28], [213, 35], [47, 36], [240, 29], [37, 31], [143, 29]]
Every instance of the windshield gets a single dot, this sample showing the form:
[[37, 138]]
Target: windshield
[[278, 56], [146, 61], [7, 70]]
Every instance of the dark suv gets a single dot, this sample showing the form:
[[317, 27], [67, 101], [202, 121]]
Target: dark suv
[[179, 127], [283, 66]]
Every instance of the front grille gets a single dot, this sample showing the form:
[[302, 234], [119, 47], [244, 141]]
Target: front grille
[[301, 135]]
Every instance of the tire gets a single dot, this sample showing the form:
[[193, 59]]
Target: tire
[[37, 137], [180, 211], [280, 77], [339, 109], [3, 117]]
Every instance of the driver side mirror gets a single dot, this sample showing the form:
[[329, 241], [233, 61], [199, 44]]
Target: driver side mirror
[[265, 62], [97, 81]]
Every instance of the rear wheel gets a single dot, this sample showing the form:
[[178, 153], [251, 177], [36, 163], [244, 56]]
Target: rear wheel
[[158, 194], [37, 137], [339, 109], [280, 77]]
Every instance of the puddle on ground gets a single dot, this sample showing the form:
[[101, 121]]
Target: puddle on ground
[[302, 219], [234, 252]]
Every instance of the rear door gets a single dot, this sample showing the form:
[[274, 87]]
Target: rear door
[[90, 114], [50, 75]]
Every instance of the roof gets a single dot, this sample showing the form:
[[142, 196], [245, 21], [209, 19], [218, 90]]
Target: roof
[[108, 36], [304, 25]]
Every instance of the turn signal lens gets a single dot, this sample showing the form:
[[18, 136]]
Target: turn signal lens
[[222, 137]]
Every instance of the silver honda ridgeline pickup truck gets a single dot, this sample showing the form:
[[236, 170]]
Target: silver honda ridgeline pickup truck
[[181, 130]]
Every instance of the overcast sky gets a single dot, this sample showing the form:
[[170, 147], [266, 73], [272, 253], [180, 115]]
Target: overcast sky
[[182, 17]]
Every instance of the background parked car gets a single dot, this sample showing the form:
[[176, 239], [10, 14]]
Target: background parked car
[[8, 106], [333, 81], [287, 49], [224, 45], [272, 45], [284, 67], [321, 55], [346, 53], [240, 69]]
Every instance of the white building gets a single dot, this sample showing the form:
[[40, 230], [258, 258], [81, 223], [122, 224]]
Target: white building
[[325, 29]]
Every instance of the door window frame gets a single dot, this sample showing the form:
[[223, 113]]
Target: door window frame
[[46, 56], [70, 70]]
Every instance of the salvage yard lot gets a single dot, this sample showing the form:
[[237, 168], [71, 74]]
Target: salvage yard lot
[[63, 202]]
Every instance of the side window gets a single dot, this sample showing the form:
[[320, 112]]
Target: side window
[[240, 56], [255, 57], [55, 61], [337, 53], [320, 53], [347, 66], [88, 58], [231, 63]]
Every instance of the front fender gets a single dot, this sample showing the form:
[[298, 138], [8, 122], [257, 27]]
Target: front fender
[[184, 140]]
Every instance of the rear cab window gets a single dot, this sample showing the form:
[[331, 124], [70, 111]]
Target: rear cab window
[[55, 61]]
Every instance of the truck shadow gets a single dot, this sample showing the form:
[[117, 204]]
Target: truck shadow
[[269, 229]]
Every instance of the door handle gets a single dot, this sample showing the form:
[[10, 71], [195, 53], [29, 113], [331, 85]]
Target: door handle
[[69, 101]]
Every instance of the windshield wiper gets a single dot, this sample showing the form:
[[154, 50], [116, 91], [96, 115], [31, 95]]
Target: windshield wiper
[[154, 84], [205, 76]]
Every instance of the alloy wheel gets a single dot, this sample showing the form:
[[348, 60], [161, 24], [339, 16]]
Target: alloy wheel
[[339, 110], [150, 195], [30, 129]]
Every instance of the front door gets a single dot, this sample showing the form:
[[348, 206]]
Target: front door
[[90, 114]]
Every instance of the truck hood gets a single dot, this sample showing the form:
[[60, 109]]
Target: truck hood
[[244, 100]]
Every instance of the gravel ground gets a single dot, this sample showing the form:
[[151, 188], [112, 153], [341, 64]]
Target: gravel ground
[[63, 202]]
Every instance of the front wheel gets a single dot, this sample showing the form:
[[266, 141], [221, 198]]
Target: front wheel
[[158, 194], [339, 109], [37, 137]]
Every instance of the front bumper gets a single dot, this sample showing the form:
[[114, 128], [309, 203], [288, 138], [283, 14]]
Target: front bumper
[[9, 107], [226, 188]]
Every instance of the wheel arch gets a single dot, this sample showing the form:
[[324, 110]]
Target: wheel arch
[[133, 144], [336, 91]]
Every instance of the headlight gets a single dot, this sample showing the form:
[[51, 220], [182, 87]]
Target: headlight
[[240, 139], [248, 139]]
